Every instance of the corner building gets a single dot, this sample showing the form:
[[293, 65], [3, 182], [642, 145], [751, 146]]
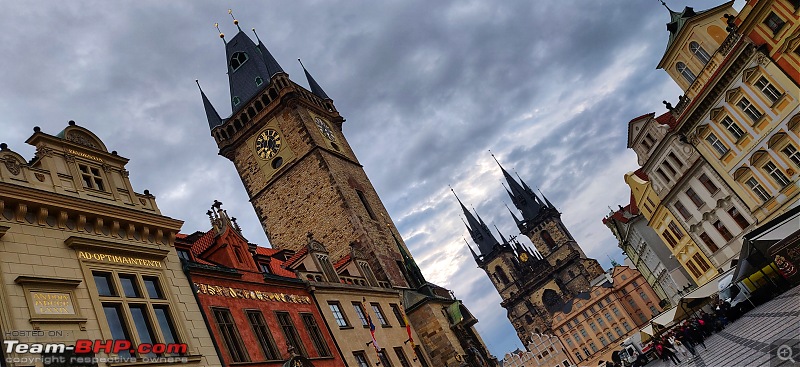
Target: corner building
[[84, 256], [260, 314], [302, 176]]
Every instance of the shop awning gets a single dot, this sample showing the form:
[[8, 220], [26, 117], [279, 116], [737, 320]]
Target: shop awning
[[755, 247], [668, 316]]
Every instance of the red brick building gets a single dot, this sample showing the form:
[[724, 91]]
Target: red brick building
[[257, 312]]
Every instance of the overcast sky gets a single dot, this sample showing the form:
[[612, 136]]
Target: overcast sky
[[427, 89]]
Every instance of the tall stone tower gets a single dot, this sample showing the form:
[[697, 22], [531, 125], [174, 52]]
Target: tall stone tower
[[299, 171], [302, 177], [532, 283]]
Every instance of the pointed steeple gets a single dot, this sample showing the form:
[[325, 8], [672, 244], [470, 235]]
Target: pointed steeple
[[211, 113], [502, 238], [250, 68], [315, 88], [521, 195], [478, 230], [516, 220], [272, 65], [549, 204], [474, 255]]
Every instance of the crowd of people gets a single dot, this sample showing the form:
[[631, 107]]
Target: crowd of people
[[683, 340]]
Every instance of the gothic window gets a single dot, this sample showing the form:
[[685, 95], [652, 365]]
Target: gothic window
[[501, 275], [550, 299], [699, 52], [327, 268], [684, 70], [548, 240], [237, 60]]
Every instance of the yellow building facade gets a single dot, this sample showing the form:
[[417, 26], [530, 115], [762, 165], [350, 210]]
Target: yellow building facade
[[669, 229]]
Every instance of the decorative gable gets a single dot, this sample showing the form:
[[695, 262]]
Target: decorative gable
[[733, 94]]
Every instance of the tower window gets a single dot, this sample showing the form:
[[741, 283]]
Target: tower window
[[548, 240], [259, 81], [366, 204], [91, 177], [699, 52], [501, 275], [236, 100], [684, 70], [237, 60]]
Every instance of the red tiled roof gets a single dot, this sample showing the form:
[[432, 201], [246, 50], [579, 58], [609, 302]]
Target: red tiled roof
[[296, 257], [641, 117], [203, 243], [342, 262], [266, 251], [640, 173], [633, 208], [667, 118], [204, 262], [276, 267]]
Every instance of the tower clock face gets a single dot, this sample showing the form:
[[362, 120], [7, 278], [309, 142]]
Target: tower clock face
[[268, 144], [325, 129]]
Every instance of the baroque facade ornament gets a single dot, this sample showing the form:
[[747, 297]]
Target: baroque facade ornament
[[80, 138], [12, 165]]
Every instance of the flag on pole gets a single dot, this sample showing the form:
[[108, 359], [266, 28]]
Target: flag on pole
[[372, 332], [408, 329]]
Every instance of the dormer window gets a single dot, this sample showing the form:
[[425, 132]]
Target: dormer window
[[259, 81], [327, 268], [236, 100], [237, 60], [264, 268], [699, 52], [684, 70], [91, 177]]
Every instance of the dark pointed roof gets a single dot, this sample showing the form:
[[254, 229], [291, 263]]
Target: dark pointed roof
[[211, 113], [522, 196], [256, 63], [315, 88], [414, 273], [478, 230], [272, 65]]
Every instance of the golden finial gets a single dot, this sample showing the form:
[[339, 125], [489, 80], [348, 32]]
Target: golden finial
[[235, 22], [221, 35]]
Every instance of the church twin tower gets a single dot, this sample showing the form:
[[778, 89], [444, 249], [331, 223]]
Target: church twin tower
[[532, 283], [304, 180]]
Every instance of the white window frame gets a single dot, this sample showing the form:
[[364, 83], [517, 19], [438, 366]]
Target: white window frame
[[777, 175], [732, 127], [757, 188], [717, 144], [751, 111], [768, 89], [699, 52]]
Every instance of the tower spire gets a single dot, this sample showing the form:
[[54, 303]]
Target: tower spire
[[250, 67], [315, 88], [211, 113], [478, 230], [521, 195]]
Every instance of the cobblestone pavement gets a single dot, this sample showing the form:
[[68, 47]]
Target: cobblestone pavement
[[749, 340]]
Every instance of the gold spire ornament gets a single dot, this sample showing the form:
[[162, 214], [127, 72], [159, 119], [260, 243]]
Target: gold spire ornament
[[235, 21], [221, 35]]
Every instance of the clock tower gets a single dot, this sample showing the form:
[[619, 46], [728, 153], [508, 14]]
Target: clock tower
[[304, 180], [296, 165]]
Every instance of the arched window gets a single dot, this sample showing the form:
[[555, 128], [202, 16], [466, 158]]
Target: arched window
[[684, 70], [237, 59], [548, 240], [699, 52], [501, 275]]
